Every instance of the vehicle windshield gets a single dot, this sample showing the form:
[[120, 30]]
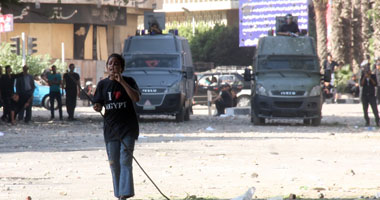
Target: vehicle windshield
[[152, 61], [288, 64]]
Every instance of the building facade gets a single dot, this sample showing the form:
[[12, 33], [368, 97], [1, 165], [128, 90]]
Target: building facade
[[89, 29]]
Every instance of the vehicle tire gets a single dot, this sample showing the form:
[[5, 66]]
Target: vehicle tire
[[244, 101], [180, 116], [316, 121], [187, 114], [47, 103], [306, 121]]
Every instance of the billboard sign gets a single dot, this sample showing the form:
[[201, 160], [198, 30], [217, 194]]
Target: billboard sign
[[257, 17], [6, 23]]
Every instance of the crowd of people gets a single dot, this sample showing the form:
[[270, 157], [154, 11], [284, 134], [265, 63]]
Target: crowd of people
[[17, 90]]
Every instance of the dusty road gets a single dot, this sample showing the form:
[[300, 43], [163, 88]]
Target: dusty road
[[67, 160]]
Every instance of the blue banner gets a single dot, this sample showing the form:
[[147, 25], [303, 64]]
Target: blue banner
[[257, 17]]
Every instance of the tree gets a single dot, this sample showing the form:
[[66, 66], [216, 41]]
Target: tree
[[357, 39], [220, 45], [347, 30], [366, 33], [337, 40], [376, 26], [320, 18]]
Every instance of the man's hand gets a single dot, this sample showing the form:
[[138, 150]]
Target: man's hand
[[26, 104], [97, 107]]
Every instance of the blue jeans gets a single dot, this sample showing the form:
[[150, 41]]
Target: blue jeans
[[120, 161]]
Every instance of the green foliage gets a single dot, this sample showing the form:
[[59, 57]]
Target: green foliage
[[37, 64], [341, 77], [220, 45]]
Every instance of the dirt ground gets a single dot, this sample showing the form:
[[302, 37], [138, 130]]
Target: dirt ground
[[211, 157]]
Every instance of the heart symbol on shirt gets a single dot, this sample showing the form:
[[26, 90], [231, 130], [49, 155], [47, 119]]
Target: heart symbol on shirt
[[117, 94]]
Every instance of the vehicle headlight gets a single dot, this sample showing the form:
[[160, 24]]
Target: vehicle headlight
[[260, 90], [316, 91], [175, 88]]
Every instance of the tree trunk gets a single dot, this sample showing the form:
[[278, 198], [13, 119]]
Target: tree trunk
[[347, 30], [337, 39], [357, 50], [376, 26], [366, 34], [320, 19]]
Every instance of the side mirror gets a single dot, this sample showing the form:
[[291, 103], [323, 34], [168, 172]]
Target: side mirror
[[247, 75]]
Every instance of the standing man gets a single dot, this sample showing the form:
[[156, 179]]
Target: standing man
[[7, 89], [329, 66], [71, 84], [25, 89], [55, 83], [369, 83]]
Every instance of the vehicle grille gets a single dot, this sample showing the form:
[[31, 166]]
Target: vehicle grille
[[285, 104], [153, 99], [288, 93]]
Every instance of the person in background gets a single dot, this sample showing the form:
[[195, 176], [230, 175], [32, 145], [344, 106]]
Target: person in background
[[71, 85], [14, 107], [290, 28], [234, 97], [154, 29], [329, 66], [55, 82], [353, 86], [377, 73], [368, 82], [7, 83], [224, 100], [327, 91], [25, 89]]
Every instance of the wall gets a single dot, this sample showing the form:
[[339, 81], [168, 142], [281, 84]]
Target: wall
[[49, 37]]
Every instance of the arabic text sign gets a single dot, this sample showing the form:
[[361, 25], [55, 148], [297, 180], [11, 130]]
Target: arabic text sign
[[257, 17], [6, 23]]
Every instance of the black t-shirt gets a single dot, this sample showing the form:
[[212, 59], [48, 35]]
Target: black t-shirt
[[70, 83], [292, 27], [369, 87], [120, 115], [227, 98], [330, 66]]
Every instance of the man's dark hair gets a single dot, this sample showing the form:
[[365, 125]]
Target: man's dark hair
[[289, 15], [119, 57], [72, 64]]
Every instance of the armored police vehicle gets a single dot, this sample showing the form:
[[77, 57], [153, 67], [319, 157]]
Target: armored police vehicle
[[287, 80], [163, 69]]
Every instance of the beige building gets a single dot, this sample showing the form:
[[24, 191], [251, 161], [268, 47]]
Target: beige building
[[89, 29]]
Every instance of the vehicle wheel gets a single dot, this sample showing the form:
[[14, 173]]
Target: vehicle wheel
[[316, 121], [257, 120], [244, 101], [180, 117], [187, 114], [306, 121], [47, 103]]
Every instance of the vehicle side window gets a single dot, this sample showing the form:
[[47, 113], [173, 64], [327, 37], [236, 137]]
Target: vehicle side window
[[208, 80], [231, 80]]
